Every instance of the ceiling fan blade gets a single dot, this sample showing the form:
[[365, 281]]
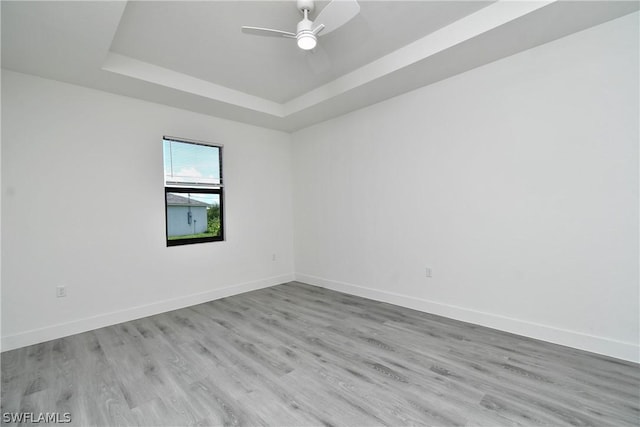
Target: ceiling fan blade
[[336, 14], [268, 32]]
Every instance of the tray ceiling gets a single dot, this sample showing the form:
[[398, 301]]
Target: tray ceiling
[[193, 55]]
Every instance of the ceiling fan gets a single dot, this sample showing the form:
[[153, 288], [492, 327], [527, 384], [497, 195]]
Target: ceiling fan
[[333, 16]]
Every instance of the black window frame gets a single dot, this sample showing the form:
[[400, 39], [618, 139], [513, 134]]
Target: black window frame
[[195, 188]]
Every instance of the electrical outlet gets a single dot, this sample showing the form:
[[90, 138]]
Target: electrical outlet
[[428, 272], [61, 291]]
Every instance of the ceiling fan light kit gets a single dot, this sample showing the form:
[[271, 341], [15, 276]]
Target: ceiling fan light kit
[[307, 41], [333, 16]]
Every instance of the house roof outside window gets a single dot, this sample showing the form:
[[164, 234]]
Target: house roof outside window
[[175, 200]]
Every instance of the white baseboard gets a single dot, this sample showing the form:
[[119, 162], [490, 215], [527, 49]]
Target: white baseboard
[[60, 330], [601, 345]]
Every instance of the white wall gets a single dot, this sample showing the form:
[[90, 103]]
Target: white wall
[[517, 183], [83, 206]]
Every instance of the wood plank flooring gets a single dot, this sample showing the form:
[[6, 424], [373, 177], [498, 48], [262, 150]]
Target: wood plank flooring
[[298, 355]]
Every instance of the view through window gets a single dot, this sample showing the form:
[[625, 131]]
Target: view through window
[[193, 191]]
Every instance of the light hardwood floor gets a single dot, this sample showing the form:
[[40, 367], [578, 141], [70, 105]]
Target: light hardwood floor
[[299, 355]]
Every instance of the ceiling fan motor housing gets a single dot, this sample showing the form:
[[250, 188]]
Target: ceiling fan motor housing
[[304, 26], [305, 35]]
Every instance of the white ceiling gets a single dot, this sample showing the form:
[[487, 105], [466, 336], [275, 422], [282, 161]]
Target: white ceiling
[[193, 55]]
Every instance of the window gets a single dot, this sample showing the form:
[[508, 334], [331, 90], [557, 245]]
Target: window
[[193, 191]]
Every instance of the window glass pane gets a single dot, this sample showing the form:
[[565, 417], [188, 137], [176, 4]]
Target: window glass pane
[[193, 215], [186, 163]]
